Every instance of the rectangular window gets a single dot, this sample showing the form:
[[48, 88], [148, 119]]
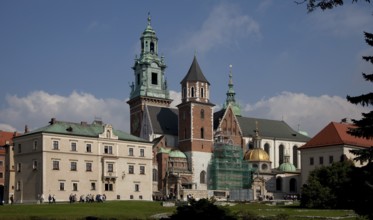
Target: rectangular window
[[311, 161], [130, 151], [73, 166], [108, 150], [88, 167], [75, 186], [34, 164], [1, 175], [130, 169], [62, 186], [110, 167], [331, 159], [18, 186], [89, 148], [19, 148], [137, 187], [35, 146], [19, 167], [1, 163], [56, 165], [138, 79], [93, 186], [55, 145], [73, 146], [108, 187], [321, 160], [154, 78], [142, 153], [142, 169]]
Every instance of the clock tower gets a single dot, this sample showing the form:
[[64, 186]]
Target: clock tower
[[150, 84]]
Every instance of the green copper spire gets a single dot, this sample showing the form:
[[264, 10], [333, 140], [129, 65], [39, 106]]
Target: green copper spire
[[149, 68], [231, 100]]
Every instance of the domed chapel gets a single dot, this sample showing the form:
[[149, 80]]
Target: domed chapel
[[201, 153]]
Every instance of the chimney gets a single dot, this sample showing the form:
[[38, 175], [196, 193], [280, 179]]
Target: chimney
[[52, 121], [26, 129]]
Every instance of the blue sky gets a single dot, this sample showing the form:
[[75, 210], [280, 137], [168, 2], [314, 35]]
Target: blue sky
[[72, 59]]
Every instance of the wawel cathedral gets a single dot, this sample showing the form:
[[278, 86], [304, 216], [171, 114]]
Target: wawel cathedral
[[201, 153]]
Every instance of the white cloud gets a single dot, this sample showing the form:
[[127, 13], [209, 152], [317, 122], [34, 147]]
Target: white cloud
[[345, 20], [224, 25], [264, 5], [6, 127], [37, 108], [176, 97], [310, 113]]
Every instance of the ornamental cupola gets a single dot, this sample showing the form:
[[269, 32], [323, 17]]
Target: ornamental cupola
[[231, 100], [195, 86]]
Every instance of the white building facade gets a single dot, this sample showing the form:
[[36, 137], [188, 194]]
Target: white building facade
[[81, 159]]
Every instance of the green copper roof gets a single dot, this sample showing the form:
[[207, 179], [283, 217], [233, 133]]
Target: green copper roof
[[164, 150], [177, 153], [287, 167], [83, 129]]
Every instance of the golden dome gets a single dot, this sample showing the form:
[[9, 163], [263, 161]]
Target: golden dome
[[256, 154]]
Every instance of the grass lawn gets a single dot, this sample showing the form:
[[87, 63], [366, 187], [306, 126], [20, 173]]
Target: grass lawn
[[293, 211], [144, 210]]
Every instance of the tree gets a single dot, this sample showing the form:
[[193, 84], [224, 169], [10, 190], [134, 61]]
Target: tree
[[326, 186], [361, 178], [364, 126], [202, 209], [323, 4]]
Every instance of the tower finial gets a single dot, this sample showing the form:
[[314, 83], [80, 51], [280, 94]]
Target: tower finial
[[149, 19], [230, 75]]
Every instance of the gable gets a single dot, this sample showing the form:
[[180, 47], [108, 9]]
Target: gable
[[336, 134]]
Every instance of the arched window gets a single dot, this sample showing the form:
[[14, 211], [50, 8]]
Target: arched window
[[266, 148], [279, 183], [192, 92], [202, 113], [293, 185], [108, 134], [155, 175], [295, 156], [202, 177], [281, 154], [202, 93], [202, 133], [151, 47]]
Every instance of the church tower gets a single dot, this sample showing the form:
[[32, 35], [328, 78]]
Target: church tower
[[196, 123], [231, 100], [150, 85]]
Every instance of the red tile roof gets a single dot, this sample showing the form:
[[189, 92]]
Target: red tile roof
[[336, 134], [6, 136]]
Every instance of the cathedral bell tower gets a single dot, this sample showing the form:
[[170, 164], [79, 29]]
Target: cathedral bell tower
[[196, 123], [150, 85]]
